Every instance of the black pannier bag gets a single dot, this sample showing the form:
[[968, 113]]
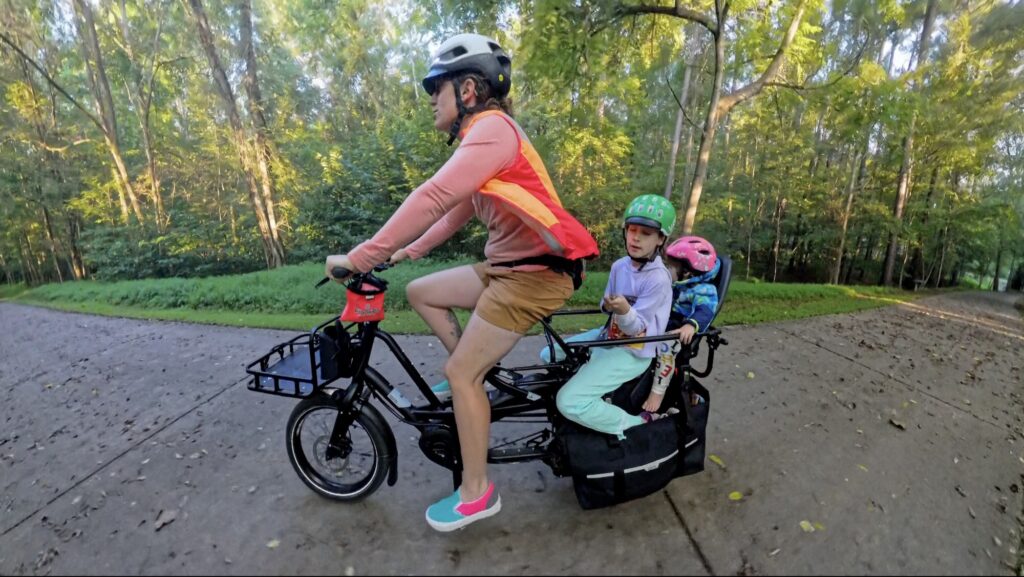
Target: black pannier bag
[[695, 431], [607, 471]]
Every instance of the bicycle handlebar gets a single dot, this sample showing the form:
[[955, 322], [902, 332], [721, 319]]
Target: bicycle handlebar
[[340, 272]]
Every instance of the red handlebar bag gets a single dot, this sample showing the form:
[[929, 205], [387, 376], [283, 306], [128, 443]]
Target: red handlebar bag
[[364, 303]]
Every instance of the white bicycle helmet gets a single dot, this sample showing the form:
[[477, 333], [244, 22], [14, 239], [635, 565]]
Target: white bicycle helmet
[[471, 53]]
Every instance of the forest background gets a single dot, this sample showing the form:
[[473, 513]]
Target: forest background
[[841, 141]]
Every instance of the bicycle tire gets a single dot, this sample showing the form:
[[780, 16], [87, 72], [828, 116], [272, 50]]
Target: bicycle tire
[[298, 451]]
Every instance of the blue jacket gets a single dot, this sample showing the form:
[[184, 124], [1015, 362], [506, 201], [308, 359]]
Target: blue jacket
[[695, 300]]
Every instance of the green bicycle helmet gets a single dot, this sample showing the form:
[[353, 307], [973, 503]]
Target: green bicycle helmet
[[653, 211]]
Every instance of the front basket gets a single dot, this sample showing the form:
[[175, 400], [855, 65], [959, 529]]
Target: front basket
[[303, 365]]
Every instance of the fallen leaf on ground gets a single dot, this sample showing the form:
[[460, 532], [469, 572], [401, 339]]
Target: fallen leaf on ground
[[165, 518], [807, 527], [714, 459], [862, 468], [750, 375], [273, 544], [735, 496]]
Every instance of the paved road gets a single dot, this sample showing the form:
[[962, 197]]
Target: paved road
[[897, 434]]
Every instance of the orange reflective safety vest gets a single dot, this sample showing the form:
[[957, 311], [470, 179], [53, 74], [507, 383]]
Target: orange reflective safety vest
[[526, 189]]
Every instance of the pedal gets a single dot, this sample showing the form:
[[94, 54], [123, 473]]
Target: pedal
[[513, 454]]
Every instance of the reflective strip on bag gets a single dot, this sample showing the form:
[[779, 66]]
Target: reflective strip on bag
[[648, 467]]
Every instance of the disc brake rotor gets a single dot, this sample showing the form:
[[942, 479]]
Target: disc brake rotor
[[336, 465]]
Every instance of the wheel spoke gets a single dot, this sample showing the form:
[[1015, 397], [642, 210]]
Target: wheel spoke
[[339, 476]]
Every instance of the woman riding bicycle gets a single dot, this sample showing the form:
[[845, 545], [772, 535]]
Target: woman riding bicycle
[[532, 248]]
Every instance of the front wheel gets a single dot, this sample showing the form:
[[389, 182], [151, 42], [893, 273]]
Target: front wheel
[[348, 472]]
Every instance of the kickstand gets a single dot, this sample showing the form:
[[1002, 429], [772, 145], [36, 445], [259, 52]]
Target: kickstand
[[456, 479]]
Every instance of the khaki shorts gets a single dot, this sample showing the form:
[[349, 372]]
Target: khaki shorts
[[517, 300]]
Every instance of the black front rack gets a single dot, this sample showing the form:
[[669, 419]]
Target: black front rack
[[303, 365]]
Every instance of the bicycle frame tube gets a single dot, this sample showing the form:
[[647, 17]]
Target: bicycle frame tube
[[517, 403], [367, 380]]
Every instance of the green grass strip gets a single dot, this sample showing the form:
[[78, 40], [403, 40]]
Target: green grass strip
[[11, 290], [285, 299]]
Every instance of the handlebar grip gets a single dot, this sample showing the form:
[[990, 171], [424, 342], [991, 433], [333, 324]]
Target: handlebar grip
[[336, 272]]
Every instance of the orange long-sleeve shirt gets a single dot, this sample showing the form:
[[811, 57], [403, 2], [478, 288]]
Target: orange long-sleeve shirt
[[444, 203]]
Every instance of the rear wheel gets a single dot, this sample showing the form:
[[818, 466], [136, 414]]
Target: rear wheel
[[350, 471]]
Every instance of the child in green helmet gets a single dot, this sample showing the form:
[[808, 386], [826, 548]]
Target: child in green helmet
[[639, 298]]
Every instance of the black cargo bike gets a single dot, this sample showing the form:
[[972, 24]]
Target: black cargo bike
[[343, 448]]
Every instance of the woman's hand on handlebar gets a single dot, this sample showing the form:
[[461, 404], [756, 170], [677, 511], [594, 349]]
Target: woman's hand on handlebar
[[398, 257], [338, 261]]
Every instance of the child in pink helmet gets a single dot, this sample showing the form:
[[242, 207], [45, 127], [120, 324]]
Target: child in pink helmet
[[693, 263]]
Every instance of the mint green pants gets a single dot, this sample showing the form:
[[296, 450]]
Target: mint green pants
[[580, 401]]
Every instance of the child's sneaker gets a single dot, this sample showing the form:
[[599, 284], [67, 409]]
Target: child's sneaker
[[443, 390], [648, 416], [451, 513]]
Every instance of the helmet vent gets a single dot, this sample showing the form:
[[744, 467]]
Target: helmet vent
[[458, 51]]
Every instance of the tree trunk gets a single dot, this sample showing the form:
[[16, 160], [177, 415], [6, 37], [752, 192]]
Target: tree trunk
[[917, 260], [907, 164], [999, 261], [32, 274], [263, 149], [677, 136], [720, 106], [104, 102], [224, 90], [74, 228], [51, 242], [750, 238], [780, 211], [707, 137], [143, 101], [942, 257], [851, 187], [687, 171], [852, 259], [8, 276], [901, 201]]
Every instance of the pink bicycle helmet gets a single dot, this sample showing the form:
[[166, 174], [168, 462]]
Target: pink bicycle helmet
[[695, 251]]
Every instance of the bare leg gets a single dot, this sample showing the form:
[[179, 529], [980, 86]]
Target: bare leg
[[483, 346], [435, 295]]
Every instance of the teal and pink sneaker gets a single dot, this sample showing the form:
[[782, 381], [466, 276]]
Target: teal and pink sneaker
[[451, 513]]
